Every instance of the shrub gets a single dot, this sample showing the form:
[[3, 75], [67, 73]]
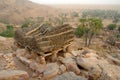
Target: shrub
[[28, 22], [119, 28], [25, 25], [9, 32], [111, 26], [115, 20], [117, 35], [10, 27], [75, 14], [79, 31]]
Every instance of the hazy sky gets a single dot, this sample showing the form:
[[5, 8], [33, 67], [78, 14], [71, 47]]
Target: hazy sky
[[77, 1]]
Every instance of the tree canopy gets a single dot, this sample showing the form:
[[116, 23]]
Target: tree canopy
[[91, 27]]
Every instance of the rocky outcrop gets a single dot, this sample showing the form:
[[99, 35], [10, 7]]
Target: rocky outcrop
[[83, 64], [51, 71], [13, 75], [71, 65], [69, 76], [5, 45], [62, 69], [7, 61], [98, 68]]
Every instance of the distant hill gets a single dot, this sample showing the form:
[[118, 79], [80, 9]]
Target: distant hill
[[87, 6], [15, 11]]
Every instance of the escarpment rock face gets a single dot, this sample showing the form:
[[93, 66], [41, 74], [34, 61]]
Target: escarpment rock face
[[15, 11]]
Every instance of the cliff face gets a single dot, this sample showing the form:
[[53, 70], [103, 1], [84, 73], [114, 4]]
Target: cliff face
[[15, 11]]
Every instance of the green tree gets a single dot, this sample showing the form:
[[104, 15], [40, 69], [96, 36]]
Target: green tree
[[84, 25], [117, 34], [75, 14], [62, 19], [79, 31], [115, 20], [91, 27], [111, 26], [95, 26]]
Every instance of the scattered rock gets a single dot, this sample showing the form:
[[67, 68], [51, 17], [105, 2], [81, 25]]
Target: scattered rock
[[24, 60], [99, 69], [69, 76], [1, 55], [90, 54], [28, 56], [84, 73], [51, 71], [77, 53], [71, 65], [13, 75], [41, 68], [85, 52], [62, 69], [10, 65], [8, 61], [42, 60], [3, 62], [2, 38], [34, 55], [21, 52], [38, 59], [109, 72], [34, 75], [67, 55], [84, 64], [114, 60], [34, 66]]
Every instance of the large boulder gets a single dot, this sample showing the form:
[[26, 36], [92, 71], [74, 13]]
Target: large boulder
[[69, 76], [62, 69], [98, 68], [39, 68], [51, 70], [13, 75], [113, 60], [71, 65], [24, 60]]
